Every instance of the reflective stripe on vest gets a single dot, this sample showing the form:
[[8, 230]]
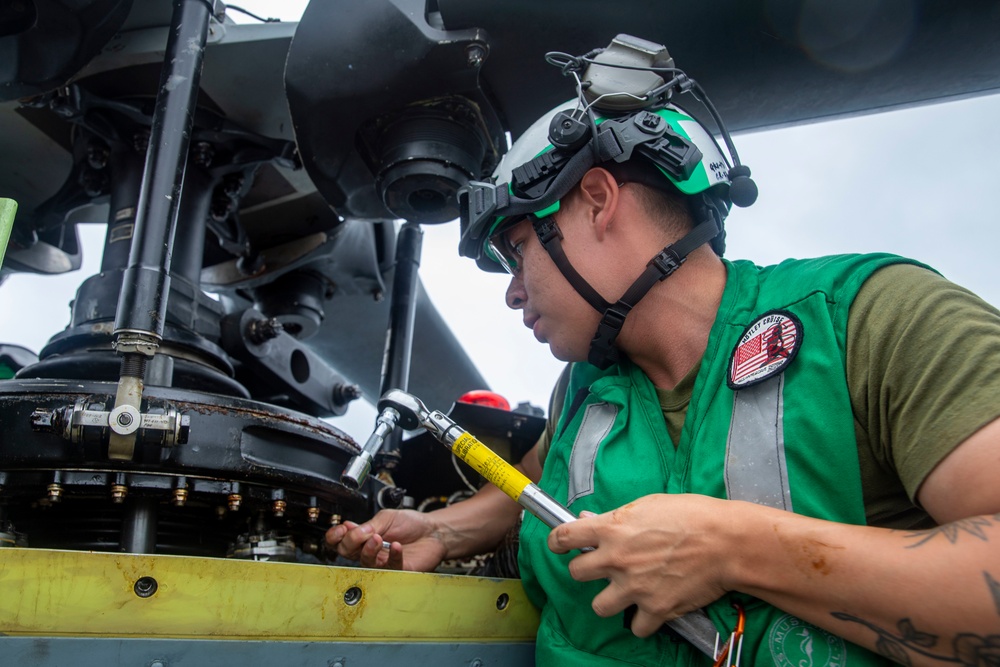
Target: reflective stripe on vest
[[598, 418], [755, 449]]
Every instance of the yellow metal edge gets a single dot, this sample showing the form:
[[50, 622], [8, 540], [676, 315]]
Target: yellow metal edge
[[73, 593], [8, 208]]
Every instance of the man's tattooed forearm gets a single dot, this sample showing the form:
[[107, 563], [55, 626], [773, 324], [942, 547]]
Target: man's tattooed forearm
[[975, 527], [966, 648]]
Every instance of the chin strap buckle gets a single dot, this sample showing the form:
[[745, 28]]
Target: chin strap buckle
[[603, 352], [666, 262]]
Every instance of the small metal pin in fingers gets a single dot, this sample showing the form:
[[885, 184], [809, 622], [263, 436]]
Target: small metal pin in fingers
[[731, 652]]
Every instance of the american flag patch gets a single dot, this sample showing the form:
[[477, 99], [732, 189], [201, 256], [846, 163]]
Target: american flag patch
[[765, 349]]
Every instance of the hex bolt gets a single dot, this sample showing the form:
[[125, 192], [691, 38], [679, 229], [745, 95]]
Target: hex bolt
[[55, 489], [233, 184], [352, 596], [97, 156], [343, 394], [180, 493], [335, 519], [202, 154], [234, 502], [145, 587], [259, 332], [475, 55], [313, 514], [118, 493], [42, 420], [55, 492], [278, 507]]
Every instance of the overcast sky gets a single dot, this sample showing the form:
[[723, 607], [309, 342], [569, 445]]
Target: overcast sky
[[919, 182]]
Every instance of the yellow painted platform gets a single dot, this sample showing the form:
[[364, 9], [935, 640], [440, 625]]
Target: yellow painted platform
[[84, 594]]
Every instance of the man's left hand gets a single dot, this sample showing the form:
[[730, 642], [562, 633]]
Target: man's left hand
[[666, 554]]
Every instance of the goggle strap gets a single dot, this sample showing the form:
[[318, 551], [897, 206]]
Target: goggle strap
[[571, 174]]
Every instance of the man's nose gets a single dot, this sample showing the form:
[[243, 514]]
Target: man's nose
[[516, 296]]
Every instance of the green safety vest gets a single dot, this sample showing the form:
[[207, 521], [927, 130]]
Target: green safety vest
[[769, 421]]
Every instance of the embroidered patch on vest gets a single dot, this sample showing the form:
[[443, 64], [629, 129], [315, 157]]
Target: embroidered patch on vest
[[795, 643], [765, 349]]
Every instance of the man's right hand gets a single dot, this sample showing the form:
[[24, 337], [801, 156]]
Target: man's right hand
[[415, 542], [420, 541]]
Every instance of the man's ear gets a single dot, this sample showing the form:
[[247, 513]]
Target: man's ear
[[599, 195]]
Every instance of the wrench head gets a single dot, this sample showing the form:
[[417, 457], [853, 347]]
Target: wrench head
[[410, 408]]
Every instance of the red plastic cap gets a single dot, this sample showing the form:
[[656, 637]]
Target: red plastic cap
[[484, 397]]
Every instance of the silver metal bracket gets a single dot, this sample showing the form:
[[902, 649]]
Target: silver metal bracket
[[82, 423]]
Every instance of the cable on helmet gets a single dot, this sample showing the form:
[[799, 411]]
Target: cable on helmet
[[743, 191]]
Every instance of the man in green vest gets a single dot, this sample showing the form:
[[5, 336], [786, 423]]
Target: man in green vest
[[807, 453]]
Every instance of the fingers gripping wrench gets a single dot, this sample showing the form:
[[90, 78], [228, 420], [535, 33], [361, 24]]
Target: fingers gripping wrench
[[398, 408]]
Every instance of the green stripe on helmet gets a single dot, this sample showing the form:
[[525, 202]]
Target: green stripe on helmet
[[698, 182]]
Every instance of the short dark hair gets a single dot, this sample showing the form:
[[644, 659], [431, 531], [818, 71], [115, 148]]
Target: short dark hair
[[661, 199]]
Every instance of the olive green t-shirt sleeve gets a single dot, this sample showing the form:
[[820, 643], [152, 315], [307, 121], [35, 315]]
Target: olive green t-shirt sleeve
[[923, 369]]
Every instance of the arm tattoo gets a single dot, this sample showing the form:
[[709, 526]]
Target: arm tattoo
[[994, 587], [966, 649], [974, 526]]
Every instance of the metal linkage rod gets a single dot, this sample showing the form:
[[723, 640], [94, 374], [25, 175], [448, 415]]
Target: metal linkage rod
[[142, 304], [403, 308], [402, 316]]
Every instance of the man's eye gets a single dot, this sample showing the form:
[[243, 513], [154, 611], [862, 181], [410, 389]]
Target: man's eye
[[519, 249]]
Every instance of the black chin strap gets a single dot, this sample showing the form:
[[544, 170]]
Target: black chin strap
[[603, 352], [551, 238]]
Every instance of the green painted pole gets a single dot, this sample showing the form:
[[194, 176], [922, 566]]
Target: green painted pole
[[8, 207]]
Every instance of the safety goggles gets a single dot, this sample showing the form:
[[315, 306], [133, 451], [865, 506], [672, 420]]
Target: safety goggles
[[503, 252]]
